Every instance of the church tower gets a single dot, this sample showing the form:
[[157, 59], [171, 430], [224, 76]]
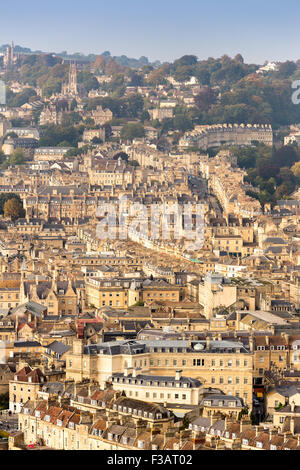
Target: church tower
[[71, 88], [73, 79], [9, 58]]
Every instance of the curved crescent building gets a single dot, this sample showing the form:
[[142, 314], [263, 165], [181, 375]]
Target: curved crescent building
[[204, 137]]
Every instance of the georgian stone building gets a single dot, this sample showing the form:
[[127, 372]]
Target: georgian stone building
[[205, 137], [223, 364]]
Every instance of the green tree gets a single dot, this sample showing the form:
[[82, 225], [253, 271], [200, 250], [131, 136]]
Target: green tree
[[183, 73], [88, 80], [132, 130], [286, 156], [243, 412], [184, 423], [205, 99], [186, 60], [54, 135], [4, 401], [17, 157], [70, 119], [136, 79], [135, 105], [182, 123], [286, 69], [97, 140]]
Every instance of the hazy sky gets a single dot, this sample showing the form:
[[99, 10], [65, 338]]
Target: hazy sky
[[159, 29]]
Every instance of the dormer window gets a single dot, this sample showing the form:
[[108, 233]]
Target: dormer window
[[259, 445], [59, 422], [245, 442], [47, 418]]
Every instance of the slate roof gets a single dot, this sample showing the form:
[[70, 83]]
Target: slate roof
[[57, 347], [163, 380]]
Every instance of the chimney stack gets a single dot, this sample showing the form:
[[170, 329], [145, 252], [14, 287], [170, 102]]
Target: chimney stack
[[251, 343], [273, 432], [178, 375], [293, 407], [245, 423], [238, 319]]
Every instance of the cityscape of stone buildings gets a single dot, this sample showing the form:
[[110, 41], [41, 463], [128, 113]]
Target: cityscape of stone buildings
[[144, 342]]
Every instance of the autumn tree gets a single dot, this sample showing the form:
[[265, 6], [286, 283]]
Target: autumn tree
[[13, 209], [296, 169]]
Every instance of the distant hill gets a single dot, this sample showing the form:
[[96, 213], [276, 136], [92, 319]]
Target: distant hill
[[122, 60], [19, 49]]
